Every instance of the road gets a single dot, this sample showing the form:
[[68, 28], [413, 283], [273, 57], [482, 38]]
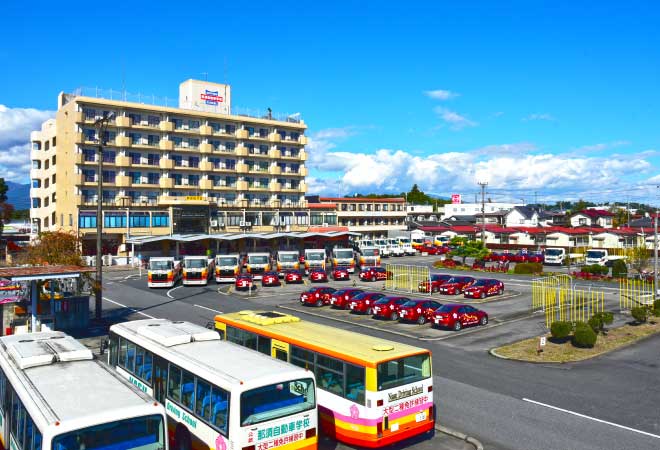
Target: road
[[610, 402]]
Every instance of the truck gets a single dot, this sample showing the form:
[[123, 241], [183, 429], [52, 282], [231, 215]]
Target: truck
[[227, 268], [287, 260], [406, 245], [600, 256], [343, 257], [394, 247], [554, 256], [440, 240], [314, 257], [163, 272], [257, 264], [369, 257], [382, 245], [197, 270]]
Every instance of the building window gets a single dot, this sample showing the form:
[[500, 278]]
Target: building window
[[54, 140], [178, 160], [153, 139], [153, 121], [36, 183], [109, 176], [178, 142], [87, 220], [193, 161], [139, 220], [135, 118], [36, 145], [89, 175], [36, 203], [109, 156], [160, 220], [47, 145], [153, 178], [114, 220], [230, 128], [153, 159], [178, 124], [46, 181], [70, 220], [46, 164]]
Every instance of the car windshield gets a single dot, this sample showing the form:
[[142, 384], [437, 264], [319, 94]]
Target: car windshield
[[553, 252], [402, 371], [195, 263], [440, 277], [411, 303], [480, 283], [595, 254], [143, 433], [361, 296], [453, 280], [341, 291], [228, 261], [382, 301], [445, 309], [343, 253], [287, 257], [278, 400], [160, 265]]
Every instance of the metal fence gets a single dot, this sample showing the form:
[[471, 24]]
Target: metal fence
[[635, 292], [406, 278], [558, 299]]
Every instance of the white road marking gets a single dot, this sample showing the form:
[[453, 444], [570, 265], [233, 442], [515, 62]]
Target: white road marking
[[168, 292], [127, 307], [210, 309], [592, 418]]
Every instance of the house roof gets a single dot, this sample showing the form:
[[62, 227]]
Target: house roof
[[363, 199], [594, 213], [525, 211]]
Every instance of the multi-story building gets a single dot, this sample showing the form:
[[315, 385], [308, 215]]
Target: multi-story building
[[372, 217], [195, 168], [472, 209]]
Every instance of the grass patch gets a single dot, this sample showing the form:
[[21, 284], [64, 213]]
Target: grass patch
[[616, 338]]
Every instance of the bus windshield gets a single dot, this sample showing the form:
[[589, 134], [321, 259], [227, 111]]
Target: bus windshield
[[228, 261], [258, 259], [595, 253], [144, 433], [287, 257], [315, 255], [160, 265], [553, 251], [410, 369], [195, 263], [276, 401], [370, 252], [343, 253]]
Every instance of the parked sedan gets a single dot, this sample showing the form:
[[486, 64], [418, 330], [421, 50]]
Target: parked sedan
[[484, 288], [318, 276], [388, 307], [293, 277], [536, 258], [455, 285], [437, 280], [363, 303], [519, 257], [373, 274], [457, 316], [317, 296], [341, 298], [244, 282], [270, 279], [340, 273], [430, 249], [419, 311]]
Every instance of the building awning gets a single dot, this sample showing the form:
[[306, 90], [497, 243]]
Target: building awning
[[139, 240], [36, 273]]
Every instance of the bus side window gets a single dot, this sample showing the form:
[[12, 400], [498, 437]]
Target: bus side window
[[330, 374], [355, 383], [37, 440], [148, 366], [130, 357], [203, 395], [174, 383], [122, 352], [263, 345], [302, 358], [113, 350], [188, 390], [219, 408], [139, 361], [29, 429]]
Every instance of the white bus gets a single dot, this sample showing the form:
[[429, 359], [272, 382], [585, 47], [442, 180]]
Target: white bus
[[217, 395], [227, 268], [197, 270], [55, 396]]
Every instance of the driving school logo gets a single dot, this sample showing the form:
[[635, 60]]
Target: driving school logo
[[211, 97], [403, 393]]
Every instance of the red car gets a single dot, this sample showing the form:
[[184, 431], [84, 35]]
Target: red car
[[373, 274], [536, 258], [455, 285], [340, 273], [317, 296], [270, 279], [293, 277], [519, 257], [341, 298], [419, 311], [244, 282], [430, 249], [363, 303], [318, 275], [437, 280], [458, 316], [484, 288], [388, 307]]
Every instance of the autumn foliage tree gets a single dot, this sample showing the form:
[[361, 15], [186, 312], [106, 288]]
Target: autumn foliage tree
[[56, 247]]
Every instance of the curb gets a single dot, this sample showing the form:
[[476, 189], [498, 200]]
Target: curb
[[494, 353], [458, 435]]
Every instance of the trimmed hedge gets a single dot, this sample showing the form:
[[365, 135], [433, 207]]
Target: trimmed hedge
[[619, 269], [599, 320], [584, 336], [560, 330], [528, 268], [596, 269], [640, 313]]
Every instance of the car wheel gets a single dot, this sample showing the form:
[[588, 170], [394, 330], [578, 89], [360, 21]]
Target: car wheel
[[483, 295], [434, 290], [370, 312], [500, 292], [421, 320], [457, 326], [319, 303], [484, 320], [394, 316]]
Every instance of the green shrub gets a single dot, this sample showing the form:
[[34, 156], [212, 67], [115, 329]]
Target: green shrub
[[596, 269], [560, 330], [528, 268], [584, 336], [640, 314], [619, 269], [599, 320]]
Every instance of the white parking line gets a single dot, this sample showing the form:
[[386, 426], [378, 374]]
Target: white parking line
[[168, 292], [634, 430], [210, 309], [129, 308]]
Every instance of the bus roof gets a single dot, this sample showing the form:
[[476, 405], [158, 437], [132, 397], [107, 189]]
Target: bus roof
[[201, 350], [348, 345], [69, 383]]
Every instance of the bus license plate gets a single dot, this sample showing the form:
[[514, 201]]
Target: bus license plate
[[420, 417]]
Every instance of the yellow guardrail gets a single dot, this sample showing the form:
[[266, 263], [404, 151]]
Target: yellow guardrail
[[403, 277], [634, 293], [556, 297]]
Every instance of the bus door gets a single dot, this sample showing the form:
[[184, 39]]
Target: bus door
[[160, 379], [280, 350]]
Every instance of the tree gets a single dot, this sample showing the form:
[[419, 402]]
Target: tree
[[620, 216], [56, 247], [465, 249], [638, 258]]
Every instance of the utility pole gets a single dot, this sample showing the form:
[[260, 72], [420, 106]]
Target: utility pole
[[655, 255], [483, 185]]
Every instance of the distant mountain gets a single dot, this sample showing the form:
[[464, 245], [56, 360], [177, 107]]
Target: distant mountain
[[18, 195]]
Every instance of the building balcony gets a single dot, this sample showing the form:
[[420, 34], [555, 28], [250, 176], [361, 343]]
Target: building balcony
[[79, 138], [302, 155], [122, 161], [302, 187], [123, 121], [166, 145], [206, 130], [241, 168], [302, 140], [275, 170], [242, 134], [79, 117], [302, 171], [206, 184], [166, 183], [258, 187], [166, 126], [205, 148], [274, 137], [205, 166], [122, 181], [275, 153], [165, 163], [274, 186], [241, 186], [241, 150], [258, 154], [123, 141], [257, 170]]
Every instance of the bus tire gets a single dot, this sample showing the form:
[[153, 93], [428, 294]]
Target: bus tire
[[182, 438]]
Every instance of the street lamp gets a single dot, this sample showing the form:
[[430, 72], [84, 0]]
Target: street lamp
[[101, 126]]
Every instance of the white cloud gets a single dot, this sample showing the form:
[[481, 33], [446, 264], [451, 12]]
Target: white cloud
[[455, 120], [594, 148], [15, 127], [440, 94], [539, 116]]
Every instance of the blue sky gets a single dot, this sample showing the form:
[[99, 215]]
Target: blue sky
[[557, 98]]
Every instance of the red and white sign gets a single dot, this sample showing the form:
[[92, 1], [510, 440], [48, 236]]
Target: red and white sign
[[455, 199]]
